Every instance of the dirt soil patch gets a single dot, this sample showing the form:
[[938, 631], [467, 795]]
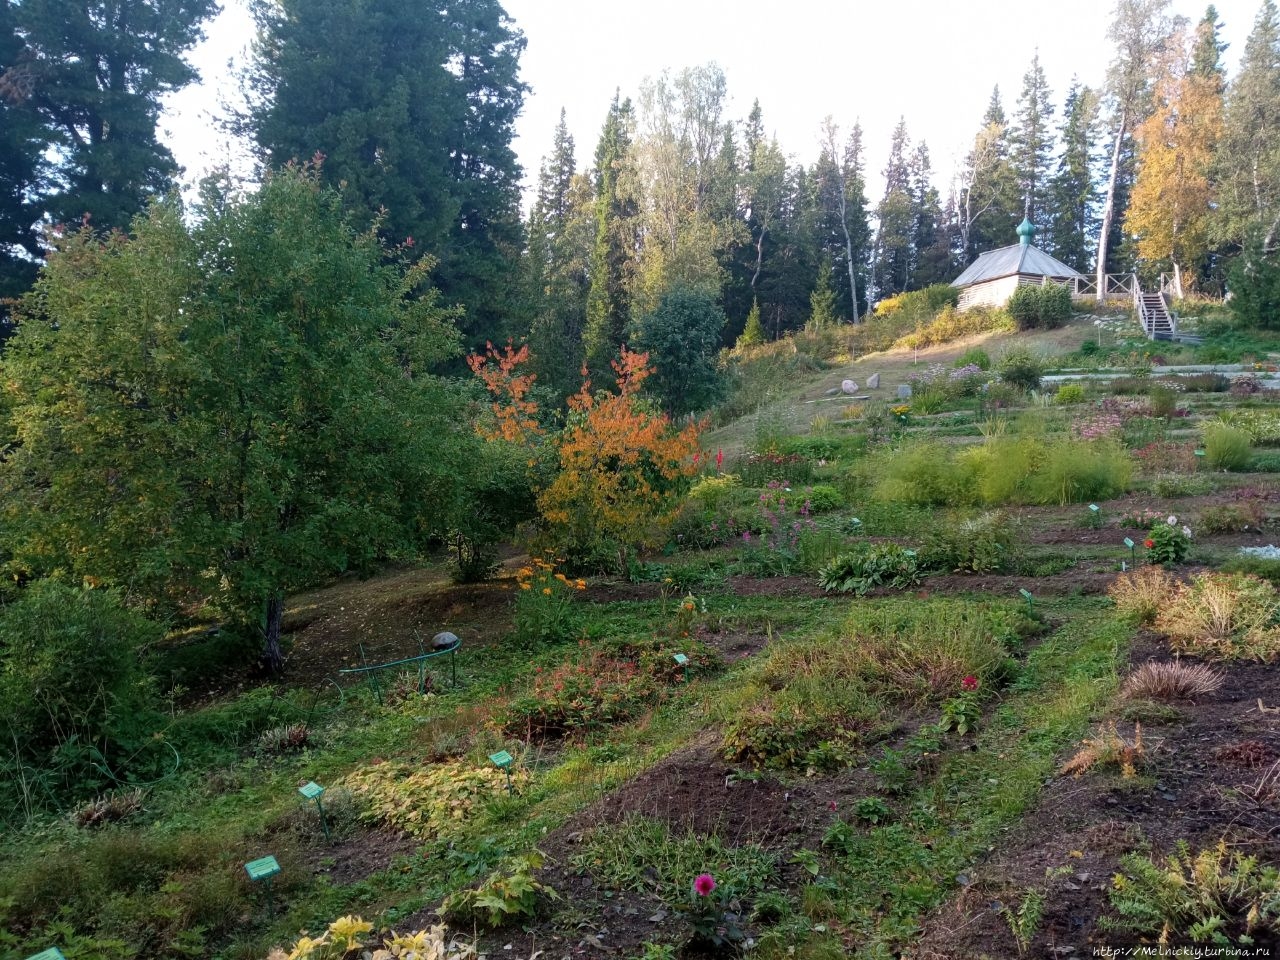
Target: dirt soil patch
[[356, 857], [1189, 791]]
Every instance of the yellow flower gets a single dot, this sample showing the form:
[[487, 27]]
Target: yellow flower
[[305, 947], [581, 584], [348, 930], [546, 591], [526, 586]]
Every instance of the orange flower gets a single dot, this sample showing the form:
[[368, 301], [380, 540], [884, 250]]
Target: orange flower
[[526, 586], [581, 584]]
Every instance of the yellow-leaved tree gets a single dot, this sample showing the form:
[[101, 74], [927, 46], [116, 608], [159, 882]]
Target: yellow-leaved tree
[[1170, 208]]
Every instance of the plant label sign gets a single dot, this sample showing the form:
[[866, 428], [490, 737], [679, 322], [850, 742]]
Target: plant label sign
[[311, 790], [502, 759], [53, 953], [681, 659], [1093, 508], [1128, 543], [262, 869]]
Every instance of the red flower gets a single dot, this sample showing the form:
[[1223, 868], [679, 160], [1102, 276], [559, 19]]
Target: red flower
[[1148, 543], [704, 884], [969, 683]]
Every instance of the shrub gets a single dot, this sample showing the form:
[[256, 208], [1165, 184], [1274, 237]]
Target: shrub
[[711, 492], [1164, 401], [1021, 369], [1226, 448], [1167, 543], [1045, 307], [1075, 472], [980, 544], [950, 324], [870, 566], [1069, 393], [1179, 485], [1171, 681], [682, 338], [1142, 593], [924, 473], [975, 357], [1216, 896], [110, 808], [1224, 616], [823, 498], [69, 670], [1262, 426], [1232, 517], [286, 738], [1266, 569], [345, 936]]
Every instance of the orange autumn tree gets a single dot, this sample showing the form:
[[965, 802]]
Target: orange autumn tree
[[512, 410], [622, 467]]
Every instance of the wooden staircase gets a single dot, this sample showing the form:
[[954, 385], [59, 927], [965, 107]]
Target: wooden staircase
[[1153, 313]]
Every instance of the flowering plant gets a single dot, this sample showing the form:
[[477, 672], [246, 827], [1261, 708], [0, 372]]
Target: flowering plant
[[1167, 542], [961, 713], [544, 598], [712, 915]]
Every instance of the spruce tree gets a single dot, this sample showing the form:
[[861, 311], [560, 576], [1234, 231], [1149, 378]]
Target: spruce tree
[[414, 114], [822, 303], [843, 233], [1031, 139], [753, 330], [897, 216], [1072, 193], [609, 300], [92, 75]]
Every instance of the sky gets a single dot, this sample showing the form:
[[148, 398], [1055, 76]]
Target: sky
[[933, 61]]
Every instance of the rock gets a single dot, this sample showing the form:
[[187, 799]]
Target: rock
[[873, 382], [904, 391], [848, 386], [833, 392], [443, 640]]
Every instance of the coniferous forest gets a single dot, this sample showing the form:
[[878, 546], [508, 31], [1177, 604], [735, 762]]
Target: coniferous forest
[[647, 555]]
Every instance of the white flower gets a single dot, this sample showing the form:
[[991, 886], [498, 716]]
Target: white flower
[[1172, 521], [1187, 531]]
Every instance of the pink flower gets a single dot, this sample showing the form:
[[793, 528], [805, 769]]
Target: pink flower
[[969, 683], [719, 459], [704, 884], [833, 805]]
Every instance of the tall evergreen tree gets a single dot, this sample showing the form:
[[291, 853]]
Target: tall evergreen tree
[[613, 256], [841, 217], [22, 146], [988, 200], [930, 259], [1249, 156], [1031, 139], [1072, 195], [414, 114], [93, 74], [896, 215], [561, 238]]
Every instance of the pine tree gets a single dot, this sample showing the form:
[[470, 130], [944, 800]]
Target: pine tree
[[1031, 139], [22, 167], [84, 87], [612, 259], [1072, 192], [930, 262]]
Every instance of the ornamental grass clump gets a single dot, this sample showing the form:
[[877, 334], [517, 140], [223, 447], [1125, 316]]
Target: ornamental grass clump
[[1171, 681], [1226, 447], [1224, 616]]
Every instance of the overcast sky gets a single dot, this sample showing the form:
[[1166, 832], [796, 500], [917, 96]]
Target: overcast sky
[[932, 61]]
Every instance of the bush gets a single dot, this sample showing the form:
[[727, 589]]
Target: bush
[[870, 566], [974, 357], [1076, 472], [1224, 616], [1255, 287], [1232, 517], [1070, 393], [981, 544], [950, 324], [1226, 448], [1167, 543], [823, 498], [1021, 369], [682, 338], [1043, 307], [69, 669]]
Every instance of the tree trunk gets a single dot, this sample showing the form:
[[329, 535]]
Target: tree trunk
[[1109, 209], [1177, 280], [272, 654], [848, 249]]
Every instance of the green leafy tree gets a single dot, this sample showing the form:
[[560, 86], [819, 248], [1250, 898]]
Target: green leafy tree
[[682, 339], [414, 115], [220, 414]]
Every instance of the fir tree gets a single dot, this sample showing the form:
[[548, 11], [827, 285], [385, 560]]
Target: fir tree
[[1072, 193], [822, 303], [753, 330]]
